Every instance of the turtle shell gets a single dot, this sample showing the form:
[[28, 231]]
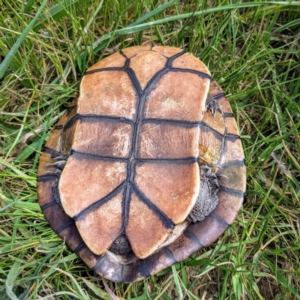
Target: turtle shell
[[124, 163]]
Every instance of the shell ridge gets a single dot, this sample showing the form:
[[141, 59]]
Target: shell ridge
[[168, 223]]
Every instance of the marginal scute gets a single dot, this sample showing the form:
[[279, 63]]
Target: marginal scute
[[130, 52], [111, 61], [113, 138], [188, 61], [167, 51]]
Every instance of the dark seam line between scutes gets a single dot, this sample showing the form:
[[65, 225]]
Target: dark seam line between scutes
[[200, 74], [45, 206], [231, 191], [220, 220], [86, 118], [179, 161], [47, 177], [99, 260], [79, 247], [99, 202], [104, 69], [228, 115], [95, 156], [234, 137], [193, 237], [144, 268], [171, 122], [169, 254], [63, 227], [53, 152], [172, 58], [168, 223], [218, 96], [213, 130]]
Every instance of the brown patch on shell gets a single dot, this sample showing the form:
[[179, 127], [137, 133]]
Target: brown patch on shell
[[167, 141], [189, 61], [167, 51], [100, 227], [173, 188], [151, 61], [177, 96], [130, 52], [228, 206], [216, 121], [111, 61], [104, 138], [145, 230], [84, 181], [102, 94], [210, 145]]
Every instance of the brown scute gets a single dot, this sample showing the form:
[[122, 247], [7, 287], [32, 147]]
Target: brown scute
[[189, 61], [233, 177], [100, 227], [114, 60], [216, 121], [103, 138], [87, 256], [132, 51], [215, 89], [45, 160], [208, 230], [167, 141], [234, 150], [145, 231], [172, 188], [231, 126], [210, 145], [151, 61], [228, 206], [167, 51], [224, 105], [44, 191], [107, 93], [54, 141], [178, 96], [67, 138], [183, 247], [159, 261], [84, 181]]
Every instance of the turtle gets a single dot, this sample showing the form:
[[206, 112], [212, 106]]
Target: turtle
[[145, 166]]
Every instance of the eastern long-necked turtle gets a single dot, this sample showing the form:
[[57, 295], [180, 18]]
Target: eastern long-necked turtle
[[146, 166]]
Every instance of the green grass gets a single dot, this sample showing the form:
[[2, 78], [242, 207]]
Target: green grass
[[252, 50]]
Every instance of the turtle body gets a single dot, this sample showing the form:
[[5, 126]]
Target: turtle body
[[146, 166]]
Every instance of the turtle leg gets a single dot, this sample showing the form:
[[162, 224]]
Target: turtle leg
[[208, 198], [212, 105]]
